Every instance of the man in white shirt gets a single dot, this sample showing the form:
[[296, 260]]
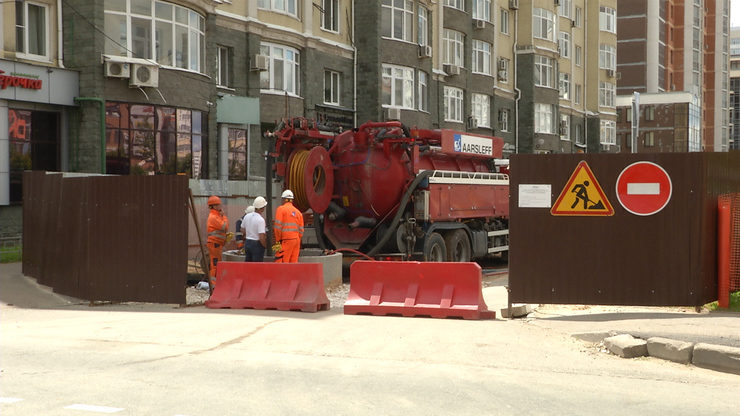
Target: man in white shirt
[[253, 228]]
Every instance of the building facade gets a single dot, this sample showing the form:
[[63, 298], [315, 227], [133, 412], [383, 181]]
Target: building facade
[[671, 45], [734, 142]]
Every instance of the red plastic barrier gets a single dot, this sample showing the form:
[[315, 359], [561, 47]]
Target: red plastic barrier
[[281, 286], [438, 290]]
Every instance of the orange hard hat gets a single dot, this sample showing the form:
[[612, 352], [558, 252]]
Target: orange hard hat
[[214, 200]]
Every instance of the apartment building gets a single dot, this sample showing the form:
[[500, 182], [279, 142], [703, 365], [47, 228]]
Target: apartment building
[[734, 141], [671, 45]]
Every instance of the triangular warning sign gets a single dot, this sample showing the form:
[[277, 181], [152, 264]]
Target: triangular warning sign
[[582, 195]]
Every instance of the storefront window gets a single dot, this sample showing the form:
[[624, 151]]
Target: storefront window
[[237, 154], [148, 140], [33, 145]]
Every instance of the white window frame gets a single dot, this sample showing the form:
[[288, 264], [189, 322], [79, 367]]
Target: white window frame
[[564, 45], [24, 27], [543, 24], [577, 93], [607, 57], [564, 86], [423, 29], [544, 71], [544, 118], [503, 120], [331, 12], [423, 91], [453, 50], [566, 7], [400, 80], [482, 10], [504, 21], [481, 62], [406, 16], [578, 16], [194, 27], [453, 104], [289, 7], [578, 55], [224, 70], [608, 132], [607, 19], [334, 87], [481, 110], [455, 4], [272, 51], [565, 131], [607, 94], [503, 74]]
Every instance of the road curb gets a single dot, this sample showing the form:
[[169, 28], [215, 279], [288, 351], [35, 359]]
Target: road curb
[[717, 357]]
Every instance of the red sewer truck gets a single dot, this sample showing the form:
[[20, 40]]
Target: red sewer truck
[[384, 190]]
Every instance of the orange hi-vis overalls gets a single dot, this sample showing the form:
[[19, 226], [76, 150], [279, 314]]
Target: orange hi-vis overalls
[[217, 226], [288, 229]]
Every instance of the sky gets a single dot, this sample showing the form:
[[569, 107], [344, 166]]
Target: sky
[[735, 13]]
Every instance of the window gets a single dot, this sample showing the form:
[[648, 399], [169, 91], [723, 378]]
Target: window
[[543, 24], [607, 57], [423, 26], [453, 104], [456, 4], [171, 35], [283, 69], [224, 67], [282, 6], [482, 109], [564, 86], [564, 44], [504, 21], [330, 19], [481, 57], [578, 55], [149, 139], [608, 19], [649, 113], [649, 139], [331, 87], [577, 94], [579, 135], [31, 30], [397, 19], [608, 132], [423, 92], [482, 10], [543, 118], [33, 143], [398, 86], [544, 72], [503, 120], [607, 91], [237, 154], [453, 47], [565, 8], [579, 17], [564, 127], [503, 69]]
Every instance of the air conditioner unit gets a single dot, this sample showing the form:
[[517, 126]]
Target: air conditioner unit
[[117, 69], [472, 123], [393, 114], [610, 73], [144, 76], [451, 69], [425, 51], [479, 24], [260, 63], [501, 65], [514, 4]]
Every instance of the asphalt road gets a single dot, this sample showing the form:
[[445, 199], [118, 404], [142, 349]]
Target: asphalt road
[[141, 359]]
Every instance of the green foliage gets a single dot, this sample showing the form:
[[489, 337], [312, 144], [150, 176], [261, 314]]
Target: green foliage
[[11, 254], [734, 304]]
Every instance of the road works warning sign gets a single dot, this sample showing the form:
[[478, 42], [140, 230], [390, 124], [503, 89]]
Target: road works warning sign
[[582, 195]]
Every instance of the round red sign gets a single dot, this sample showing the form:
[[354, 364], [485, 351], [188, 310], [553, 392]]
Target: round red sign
[[644, 188]]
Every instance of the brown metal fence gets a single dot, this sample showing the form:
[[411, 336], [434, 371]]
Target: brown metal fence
[[107, 238], [668, 258], [734, 200]]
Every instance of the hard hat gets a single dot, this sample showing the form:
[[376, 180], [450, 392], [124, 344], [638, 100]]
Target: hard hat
[[214, 200], [259, 202], [249, 209], [287, 194]]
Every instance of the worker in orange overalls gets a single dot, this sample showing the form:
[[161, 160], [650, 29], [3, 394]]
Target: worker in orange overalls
[[288, 230], [217, 226]]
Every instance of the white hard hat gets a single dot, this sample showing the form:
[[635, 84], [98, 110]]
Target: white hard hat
[[287, 194], [249, 209], [259, 202]]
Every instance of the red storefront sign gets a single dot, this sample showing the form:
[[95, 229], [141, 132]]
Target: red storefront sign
[[16, 81]]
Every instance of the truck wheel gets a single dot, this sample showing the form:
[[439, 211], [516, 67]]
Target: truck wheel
[[435, 248], [458, 246]]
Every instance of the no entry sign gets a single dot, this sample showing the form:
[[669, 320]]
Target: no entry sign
[[644, 188]]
